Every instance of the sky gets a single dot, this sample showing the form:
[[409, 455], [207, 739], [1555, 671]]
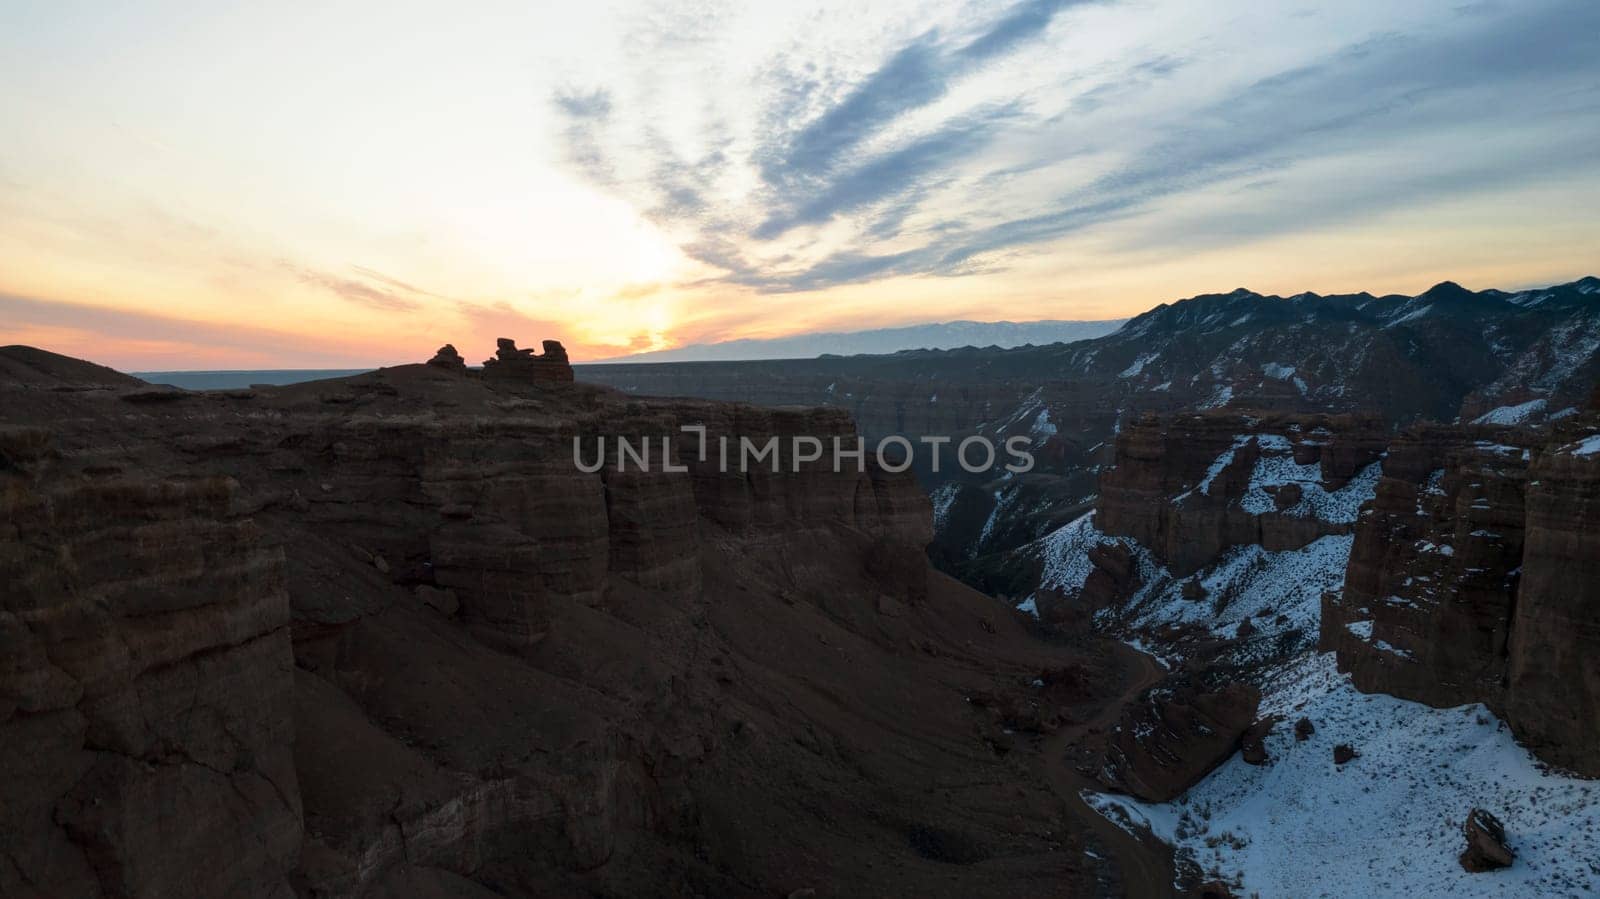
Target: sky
[[343, 184]]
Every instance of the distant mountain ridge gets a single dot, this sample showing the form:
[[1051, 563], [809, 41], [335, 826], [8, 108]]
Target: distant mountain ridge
[[1446, 354], [878, 341]]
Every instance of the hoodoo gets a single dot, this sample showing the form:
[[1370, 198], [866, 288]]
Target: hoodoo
[[513, 364]]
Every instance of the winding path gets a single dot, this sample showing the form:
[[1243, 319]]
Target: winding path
[[1145, 864]]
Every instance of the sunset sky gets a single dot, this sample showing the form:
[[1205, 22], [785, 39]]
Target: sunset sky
[[354, 183]]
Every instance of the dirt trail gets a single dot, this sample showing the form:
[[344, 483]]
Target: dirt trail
[[1145, 864]]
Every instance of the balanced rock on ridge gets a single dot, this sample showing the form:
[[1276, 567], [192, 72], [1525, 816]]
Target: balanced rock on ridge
[[513, 364]]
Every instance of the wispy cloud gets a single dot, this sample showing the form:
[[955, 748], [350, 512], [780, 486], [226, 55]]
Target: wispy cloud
[[981, 164], [890, 174], [913, 77], [586, 113], [101, 330], [394, 283], [388, 295]]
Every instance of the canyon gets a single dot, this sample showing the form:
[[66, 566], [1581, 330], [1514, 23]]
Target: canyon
[[378, 636], [384, 635], [1357, 532]]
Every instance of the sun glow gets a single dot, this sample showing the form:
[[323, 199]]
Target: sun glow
[[633, 177]]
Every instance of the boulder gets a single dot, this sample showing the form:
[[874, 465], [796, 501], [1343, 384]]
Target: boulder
[[1253, 744], [445, 602], [1303, 729], [1486, 843], [1287, 496]]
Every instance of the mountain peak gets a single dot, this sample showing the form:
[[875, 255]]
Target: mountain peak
[[1448, 290]]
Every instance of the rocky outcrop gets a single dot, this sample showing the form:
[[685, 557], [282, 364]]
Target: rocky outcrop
[[448, 359], [1303, 729], [1253, 743], [525, 365], [1426, 609], [1180, 732]]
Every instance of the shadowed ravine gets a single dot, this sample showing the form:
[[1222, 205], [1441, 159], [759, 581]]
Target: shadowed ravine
[[1145, 865]]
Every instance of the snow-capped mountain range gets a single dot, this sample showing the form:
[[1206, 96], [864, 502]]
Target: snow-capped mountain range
[[934, 336]]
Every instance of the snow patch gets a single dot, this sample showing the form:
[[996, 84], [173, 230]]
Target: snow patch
[[1278, 592], [1276, 469], [1066, 554], [1043, 428], [1511, 415], [943, 498], [1410, 316], [1222, 396], [1588, 446], [1138, 364]]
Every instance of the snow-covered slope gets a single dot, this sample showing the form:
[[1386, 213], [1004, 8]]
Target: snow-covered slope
[[1387, 823]]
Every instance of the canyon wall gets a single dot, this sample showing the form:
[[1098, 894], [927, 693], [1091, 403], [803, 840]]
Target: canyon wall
[[146, 697], [1456, 562], [1188, 487], [381, 636], [1554, 700], [1471, 580]]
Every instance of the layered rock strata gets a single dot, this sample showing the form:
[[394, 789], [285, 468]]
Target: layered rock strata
[[1471, 580], [383, 636], [1189, 486]]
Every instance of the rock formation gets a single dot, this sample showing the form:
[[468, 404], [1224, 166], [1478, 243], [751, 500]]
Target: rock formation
[[1553, 700], [1182, 486], [525, 365], [145, 700], [1176, 736], [1426, 609], [1473, 579], [379, 636], [1253, 743], [1472, 572], [447, 358], [1486, 843]]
